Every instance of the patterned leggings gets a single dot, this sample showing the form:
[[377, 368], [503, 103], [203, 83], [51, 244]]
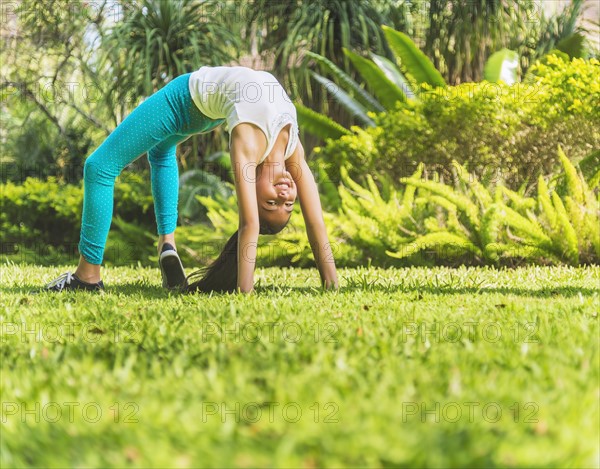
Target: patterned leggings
[[156, 126]]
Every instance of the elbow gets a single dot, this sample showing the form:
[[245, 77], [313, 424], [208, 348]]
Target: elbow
[[250, 227]]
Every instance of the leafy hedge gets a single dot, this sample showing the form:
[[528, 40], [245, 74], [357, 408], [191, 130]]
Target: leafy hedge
[[493, 129], [429, 223], [425, 223], [40, 220], [432, 223], [40, 223]]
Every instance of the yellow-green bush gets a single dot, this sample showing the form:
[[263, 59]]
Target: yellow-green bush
[[493, 129], [565, 87]]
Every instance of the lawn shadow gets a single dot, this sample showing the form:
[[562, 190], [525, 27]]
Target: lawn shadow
[[158, 292], [127, 289], [549, 292]]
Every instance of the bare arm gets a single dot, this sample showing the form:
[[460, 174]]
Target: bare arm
[[245, 148], [310, 204]]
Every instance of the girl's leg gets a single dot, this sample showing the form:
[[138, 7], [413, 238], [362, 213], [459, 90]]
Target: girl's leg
[[163, 164], [154, 120], [165, 191], [156, 126], [164, 176]]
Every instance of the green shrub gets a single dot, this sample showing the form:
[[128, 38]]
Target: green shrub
[[490, 226], [493, 129], [40, 211], [427, 222], [40, 220], [565, 87], [40, 223]]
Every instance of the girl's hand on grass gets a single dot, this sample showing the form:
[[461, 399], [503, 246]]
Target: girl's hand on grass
[[241, 291], [331, 284]]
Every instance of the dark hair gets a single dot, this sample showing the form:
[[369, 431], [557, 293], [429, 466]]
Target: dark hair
[[222, 274]]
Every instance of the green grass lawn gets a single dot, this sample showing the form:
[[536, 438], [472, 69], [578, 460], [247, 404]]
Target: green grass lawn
[[401, 368]]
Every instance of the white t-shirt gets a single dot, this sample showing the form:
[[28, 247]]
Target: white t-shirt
[[240, 94]]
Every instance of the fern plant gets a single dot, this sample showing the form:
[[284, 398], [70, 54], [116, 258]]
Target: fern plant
[[490, 225], [375, 220]]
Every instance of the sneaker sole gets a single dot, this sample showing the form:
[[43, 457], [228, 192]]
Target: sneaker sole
[[173, 275]]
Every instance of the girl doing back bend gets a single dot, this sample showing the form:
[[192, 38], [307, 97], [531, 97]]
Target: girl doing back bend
[[268, 162]]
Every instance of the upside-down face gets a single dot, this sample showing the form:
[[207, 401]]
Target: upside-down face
[[276, 194]]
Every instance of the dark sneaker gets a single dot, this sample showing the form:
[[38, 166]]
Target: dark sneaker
[[171, 268], [69, 281]]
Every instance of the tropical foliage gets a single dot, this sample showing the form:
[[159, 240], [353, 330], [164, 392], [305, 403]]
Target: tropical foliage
[[391, 83], [384, 83], [323, 26], [283, 32], [507, 224], [158, 41], [492, 128], [472, 223], [459, 35]]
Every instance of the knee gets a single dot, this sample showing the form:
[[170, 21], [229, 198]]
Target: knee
[[158, 155], [93, 172]]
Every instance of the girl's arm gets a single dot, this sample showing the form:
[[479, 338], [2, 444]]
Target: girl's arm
[[310, 204], [244, 151]]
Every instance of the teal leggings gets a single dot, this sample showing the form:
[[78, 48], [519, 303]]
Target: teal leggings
[[156, 126]]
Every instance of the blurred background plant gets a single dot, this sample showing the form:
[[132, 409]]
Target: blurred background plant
[[490, 127]]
